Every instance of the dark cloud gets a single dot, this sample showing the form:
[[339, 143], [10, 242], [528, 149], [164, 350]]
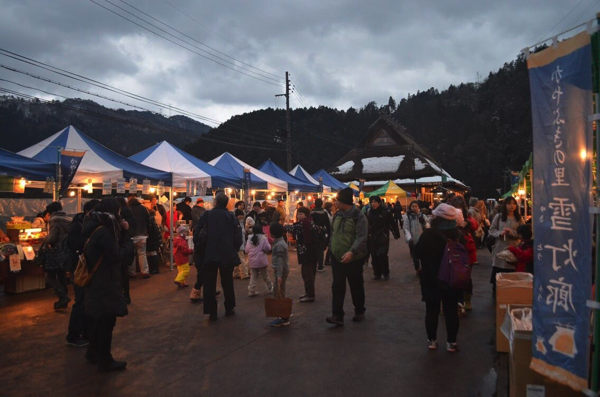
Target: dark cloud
[[340, 54]]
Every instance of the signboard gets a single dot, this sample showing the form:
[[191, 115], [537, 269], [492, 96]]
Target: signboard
[[560, 79], [15, 263], [160, 190], [121, 186], [69, 163], [106, 187], [133, 188], [146, 186], [246, 188]]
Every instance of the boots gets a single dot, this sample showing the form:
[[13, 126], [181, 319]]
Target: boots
[[153, 264], [468, 306], [196, 295]]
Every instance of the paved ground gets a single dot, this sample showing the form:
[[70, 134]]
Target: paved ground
[[172, 349]]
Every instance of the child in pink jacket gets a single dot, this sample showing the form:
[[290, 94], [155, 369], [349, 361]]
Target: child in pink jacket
[[257, 248], [182, 253]]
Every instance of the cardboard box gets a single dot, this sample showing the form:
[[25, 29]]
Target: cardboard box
[[511, 289], [525, 382]]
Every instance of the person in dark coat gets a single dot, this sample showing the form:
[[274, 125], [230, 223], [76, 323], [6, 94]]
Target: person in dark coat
[[103, 297], [142, 222], [127, 247], [224, 238], [398, 213], [305, 234], [321, 219], [185, 209], [80, 325], [58, 230], [430, 250], [381, 222]]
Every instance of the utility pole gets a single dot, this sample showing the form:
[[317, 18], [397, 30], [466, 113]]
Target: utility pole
[[288, 141]]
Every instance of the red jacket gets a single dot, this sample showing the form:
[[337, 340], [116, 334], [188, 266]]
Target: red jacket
[[524, 254], [472, 225], [182, 251]]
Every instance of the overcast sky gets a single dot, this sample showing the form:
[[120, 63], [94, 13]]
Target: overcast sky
[[340, 53]]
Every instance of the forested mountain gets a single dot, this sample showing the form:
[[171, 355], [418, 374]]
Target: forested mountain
[[475, 130], [24, 123]]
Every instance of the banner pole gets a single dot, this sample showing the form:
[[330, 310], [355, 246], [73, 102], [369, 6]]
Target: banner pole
[[171, 223]]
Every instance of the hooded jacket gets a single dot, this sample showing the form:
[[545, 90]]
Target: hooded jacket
[[58, 229], [349, 232], [224, 237], [381, 222], [257, 254]]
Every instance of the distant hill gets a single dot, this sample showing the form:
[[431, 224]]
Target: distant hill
[[474, 130], [24, 123]]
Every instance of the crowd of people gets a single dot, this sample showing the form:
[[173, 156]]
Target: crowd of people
[[116, 237]]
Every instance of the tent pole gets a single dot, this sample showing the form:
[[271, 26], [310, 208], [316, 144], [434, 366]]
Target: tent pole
[[171, 223], [79, 200]]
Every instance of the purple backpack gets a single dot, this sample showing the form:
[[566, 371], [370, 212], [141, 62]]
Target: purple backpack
[[455, 271]]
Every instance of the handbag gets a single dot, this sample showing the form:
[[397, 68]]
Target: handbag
[[278, 307], [82, 277], [54, 258]]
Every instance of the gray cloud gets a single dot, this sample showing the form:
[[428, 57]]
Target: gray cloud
[[340, 54]]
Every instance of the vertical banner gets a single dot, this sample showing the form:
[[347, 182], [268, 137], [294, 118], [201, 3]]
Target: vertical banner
[[247, 188], [160, 190], [560, 80], [321, 184], [146, 186], [121, 186], [69, 163], [133, 188], [106, 187]]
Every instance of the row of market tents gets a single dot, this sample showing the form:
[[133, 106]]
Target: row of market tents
[[162, 162]]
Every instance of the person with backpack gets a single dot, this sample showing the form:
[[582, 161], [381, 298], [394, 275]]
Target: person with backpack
[[58, 230], [349, 233], [307, 238], [321, 219], [381, 222], [415, 223], [431, 250], [80, 325]]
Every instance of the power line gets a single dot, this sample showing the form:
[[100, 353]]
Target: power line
[[215, 33], [199, 42], [562, 19], [182, 46], [80, 78], [582, 14]]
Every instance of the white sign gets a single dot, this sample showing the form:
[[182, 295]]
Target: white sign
[[121, 186], [133, 186], [15, 263], [160, 190], [106, 187], [146, 186]]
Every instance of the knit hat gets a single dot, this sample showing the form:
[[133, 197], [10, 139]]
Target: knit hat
[[459, 216], [182, 230], [345, 196], [445, 211]]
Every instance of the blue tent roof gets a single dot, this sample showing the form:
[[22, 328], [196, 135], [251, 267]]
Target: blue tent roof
[[99, 162], [329, 180], [258, 179], [184, 166], [269, 167], [13, 164]]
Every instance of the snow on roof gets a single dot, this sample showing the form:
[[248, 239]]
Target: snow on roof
[[344, 168], [419, 165], [420, 181], [385, 164]]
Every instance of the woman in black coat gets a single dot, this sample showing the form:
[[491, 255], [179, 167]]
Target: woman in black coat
[[306, 236], [430, 250], [104, 300]]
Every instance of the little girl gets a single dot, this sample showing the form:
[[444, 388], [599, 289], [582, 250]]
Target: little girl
[[257, 248], [182, 254]]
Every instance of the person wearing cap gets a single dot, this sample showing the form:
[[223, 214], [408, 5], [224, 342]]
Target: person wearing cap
[[348, 245], [182, 253], [197, 211], [430, 250]]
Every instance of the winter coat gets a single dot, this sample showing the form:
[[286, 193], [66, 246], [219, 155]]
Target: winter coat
[[321, 219], [126, 245], [257, 254], [282, 215], [76, 240], [197, 213], [307, 246], [497, 227], [381, 222], [39, 222], [414, 226], [280, 259], [430, 250], [154, 239], [182, 251], [58, 229], [103, 296], [468, 233], [224, 237], [186, 210], [524, 254], [349, 233], [142, 217], [398, 211]]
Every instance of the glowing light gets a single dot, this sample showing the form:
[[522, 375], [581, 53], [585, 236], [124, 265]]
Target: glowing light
[[227, 190], [297, 191], [253, 192], [269, 197], [152, 190], [583, 154], [72, 193], [22, 183], [521, 192], [174, 194]]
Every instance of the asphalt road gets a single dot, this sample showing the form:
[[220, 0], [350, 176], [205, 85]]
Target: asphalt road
[[173, 350]]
